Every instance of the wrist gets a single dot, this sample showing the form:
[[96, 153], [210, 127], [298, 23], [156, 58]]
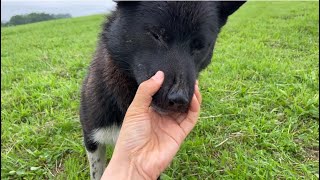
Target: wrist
[[120, 168]]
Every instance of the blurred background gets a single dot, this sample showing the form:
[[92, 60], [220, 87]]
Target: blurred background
[[55, 8]]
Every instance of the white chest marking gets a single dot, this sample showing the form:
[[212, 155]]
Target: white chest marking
[[107, 135]]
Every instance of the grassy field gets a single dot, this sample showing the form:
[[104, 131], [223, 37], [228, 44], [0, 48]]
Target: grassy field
[[259, 119]]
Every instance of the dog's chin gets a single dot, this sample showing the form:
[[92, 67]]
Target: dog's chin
[[160, 110]]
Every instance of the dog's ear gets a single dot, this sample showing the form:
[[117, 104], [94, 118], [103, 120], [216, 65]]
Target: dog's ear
[[226, 8]]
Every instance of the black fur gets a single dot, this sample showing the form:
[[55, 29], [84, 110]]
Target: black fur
[[139, 39]]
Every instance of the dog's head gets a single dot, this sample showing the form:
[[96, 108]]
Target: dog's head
[[175, 37]]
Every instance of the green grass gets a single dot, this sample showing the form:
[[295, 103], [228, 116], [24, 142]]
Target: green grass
[[259, 118]]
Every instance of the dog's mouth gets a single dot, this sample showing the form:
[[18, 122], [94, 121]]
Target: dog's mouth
[[163, 111], [160, 110]]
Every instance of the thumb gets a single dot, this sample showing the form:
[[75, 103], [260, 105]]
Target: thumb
[[146, 90]]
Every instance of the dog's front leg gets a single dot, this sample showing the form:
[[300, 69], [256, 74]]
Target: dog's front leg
[[97, 162]]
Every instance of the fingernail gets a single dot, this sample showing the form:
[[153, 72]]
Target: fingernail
[[158, 76]]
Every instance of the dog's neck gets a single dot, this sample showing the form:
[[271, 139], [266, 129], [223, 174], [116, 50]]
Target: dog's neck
[[116, 81]]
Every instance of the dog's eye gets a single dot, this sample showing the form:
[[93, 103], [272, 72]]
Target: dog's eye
[[196, 45], [155, 35]]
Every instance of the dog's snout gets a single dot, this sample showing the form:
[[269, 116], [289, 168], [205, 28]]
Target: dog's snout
[[177, 98], [175, 93]]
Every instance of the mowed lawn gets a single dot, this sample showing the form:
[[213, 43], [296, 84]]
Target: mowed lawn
[[259, 118]]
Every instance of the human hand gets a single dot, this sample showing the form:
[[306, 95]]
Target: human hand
[[148, 141]]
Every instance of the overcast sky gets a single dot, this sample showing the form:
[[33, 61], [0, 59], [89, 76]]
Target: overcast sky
[[76, 8]]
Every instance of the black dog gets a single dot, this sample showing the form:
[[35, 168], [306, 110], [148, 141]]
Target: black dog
[[137, 40]]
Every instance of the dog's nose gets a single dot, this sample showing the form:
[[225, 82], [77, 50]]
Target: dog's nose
[[177, 99]]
